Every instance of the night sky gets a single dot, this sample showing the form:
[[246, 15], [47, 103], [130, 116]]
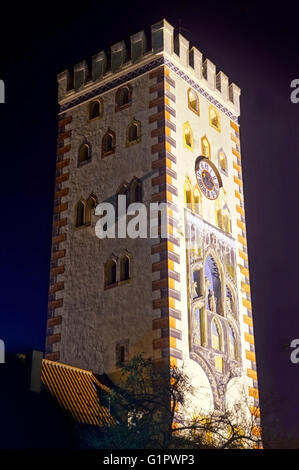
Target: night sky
[[256, 45]]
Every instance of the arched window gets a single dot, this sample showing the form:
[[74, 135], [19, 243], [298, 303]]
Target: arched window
[[135, 191], [197, 201], [84, 155], [125, 268], [222, 162], [95, 109], [110, 272], [232, 345], [214, 118], [205, 147], [193, 102], [80, 214], [123, 97], [133, 132], [187, 136], [108, 143], [188, 195], [216, 336], [91, 203]]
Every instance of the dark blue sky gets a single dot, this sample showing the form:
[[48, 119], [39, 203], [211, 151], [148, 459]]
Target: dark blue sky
[[256, 45]]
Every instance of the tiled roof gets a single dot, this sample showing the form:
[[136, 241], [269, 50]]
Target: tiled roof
[[77, 391]]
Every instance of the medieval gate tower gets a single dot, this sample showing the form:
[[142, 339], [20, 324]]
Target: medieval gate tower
[[156, 124]]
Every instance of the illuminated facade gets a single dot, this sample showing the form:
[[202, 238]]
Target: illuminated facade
[[161, 126]]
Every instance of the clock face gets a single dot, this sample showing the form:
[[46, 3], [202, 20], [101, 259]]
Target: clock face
[[207, 179]]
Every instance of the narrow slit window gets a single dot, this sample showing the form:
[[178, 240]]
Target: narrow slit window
[[136, 191], [193, 102], [122, 354], [188, 196], [80, 214], [108, 143], [133, 132], [84, 153], [188, 136], [110, 273], [125, 268], [95, 109], [214, 118], [205, 147], [123, 98], [223, 162]]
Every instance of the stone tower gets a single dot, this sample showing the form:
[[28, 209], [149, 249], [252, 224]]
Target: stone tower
[[157, 124]]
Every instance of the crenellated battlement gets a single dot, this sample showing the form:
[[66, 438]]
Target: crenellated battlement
[[175, 50]]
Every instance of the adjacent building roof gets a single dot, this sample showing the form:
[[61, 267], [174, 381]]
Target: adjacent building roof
[[77, 391]]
